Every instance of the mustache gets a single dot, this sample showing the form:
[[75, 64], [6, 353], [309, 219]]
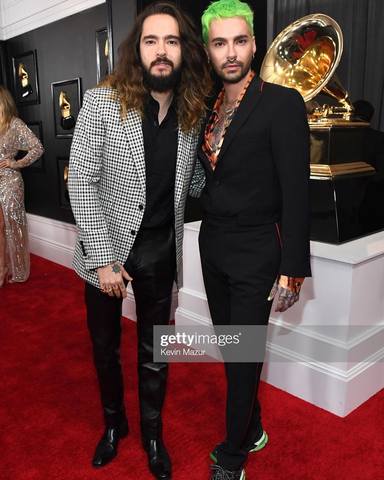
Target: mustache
[[226, 64], [162, 60]]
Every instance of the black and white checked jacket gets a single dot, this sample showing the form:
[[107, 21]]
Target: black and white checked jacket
[[107, 183]]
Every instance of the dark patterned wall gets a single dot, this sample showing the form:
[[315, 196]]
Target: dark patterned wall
[[64, 50]]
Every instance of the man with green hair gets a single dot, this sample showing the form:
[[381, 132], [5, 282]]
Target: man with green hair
[[253, 179]]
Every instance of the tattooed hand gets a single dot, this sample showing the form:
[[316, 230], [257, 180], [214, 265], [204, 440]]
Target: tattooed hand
[[288, 291], [111, 279]]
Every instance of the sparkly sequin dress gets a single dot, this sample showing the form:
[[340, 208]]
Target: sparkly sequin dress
[[17, 137]]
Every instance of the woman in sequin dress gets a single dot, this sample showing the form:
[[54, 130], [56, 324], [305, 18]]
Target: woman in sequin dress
[[14, 136]]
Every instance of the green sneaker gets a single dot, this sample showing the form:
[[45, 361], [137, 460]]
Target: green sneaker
[[260, 443], [257, 445]]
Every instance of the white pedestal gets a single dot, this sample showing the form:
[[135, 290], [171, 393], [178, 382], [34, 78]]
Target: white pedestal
[[346, 291]]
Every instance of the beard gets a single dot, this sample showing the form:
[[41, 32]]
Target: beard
[[234, 78], [161, 83]]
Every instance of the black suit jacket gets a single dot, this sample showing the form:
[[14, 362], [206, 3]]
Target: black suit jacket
[[262, 173]]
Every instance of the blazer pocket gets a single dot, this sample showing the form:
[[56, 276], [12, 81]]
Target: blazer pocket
[[83, 248]]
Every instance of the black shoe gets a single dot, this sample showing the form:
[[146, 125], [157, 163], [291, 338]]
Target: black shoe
[[106, 449], [158, 459], [219, 473]]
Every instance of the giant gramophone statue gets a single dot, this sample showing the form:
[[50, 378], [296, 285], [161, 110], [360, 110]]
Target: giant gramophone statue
[[305, 56]]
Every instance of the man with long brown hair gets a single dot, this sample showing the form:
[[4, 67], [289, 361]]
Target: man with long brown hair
[[132, 158]]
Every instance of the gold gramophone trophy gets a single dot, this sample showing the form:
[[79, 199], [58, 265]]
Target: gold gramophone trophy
[[24, 85], [305, 56], [67, 121]]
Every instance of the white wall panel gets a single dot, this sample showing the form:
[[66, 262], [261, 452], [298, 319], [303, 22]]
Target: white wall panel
[[340, 315]]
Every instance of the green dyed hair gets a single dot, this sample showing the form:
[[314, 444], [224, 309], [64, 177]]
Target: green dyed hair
[[226, 9]]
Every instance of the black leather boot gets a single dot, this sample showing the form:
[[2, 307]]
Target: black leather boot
[[152, 387], [106, 449], [158, 459], [153, 264], [152, 382]]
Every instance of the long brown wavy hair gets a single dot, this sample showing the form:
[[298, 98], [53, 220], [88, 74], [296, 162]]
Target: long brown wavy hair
[[195, 82], [8, 106]]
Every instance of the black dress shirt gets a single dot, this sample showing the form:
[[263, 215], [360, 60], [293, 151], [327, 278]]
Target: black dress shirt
[[160, 146]]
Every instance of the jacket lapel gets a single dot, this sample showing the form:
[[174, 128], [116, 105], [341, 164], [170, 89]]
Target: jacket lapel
[[134, 133], [183, 155], [202, 157], [248, 103], [133, 130]]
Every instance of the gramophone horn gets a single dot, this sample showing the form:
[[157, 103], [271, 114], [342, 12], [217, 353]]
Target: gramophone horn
[[305, 56]]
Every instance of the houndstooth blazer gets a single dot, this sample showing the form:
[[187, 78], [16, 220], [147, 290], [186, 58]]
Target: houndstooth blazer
[[107, 185]]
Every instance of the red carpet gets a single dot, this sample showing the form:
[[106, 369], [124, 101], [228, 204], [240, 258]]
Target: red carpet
[[50, 415]]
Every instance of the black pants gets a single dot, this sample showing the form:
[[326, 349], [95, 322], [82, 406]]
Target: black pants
[[152, 265], [239, 265]]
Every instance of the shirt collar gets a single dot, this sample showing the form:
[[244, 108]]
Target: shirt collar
[[154, 106]]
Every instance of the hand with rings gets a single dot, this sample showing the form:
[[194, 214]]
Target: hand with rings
[[287, 289], [111, 279]]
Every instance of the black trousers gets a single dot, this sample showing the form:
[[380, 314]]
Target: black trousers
[[152, 265], [239, 264]]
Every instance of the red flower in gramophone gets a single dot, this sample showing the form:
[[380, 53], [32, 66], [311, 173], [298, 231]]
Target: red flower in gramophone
[[303, 42]]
